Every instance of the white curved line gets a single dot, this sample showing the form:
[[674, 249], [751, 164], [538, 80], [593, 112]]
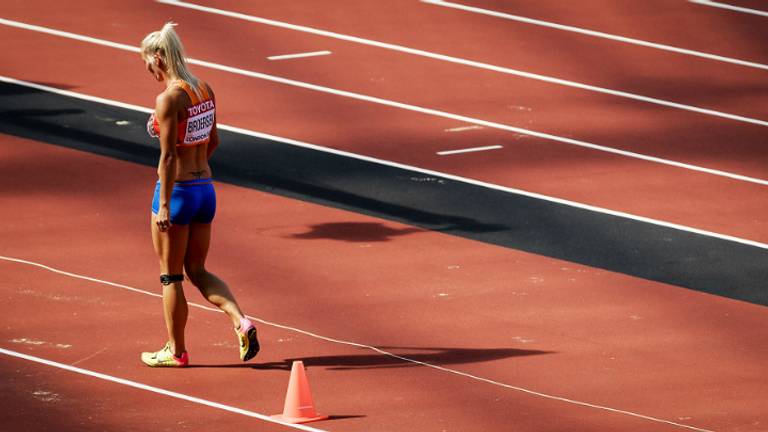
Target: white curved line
[[372, 348]]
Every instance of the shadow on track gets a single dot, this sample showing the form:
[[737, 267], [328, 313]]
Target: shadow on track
[[355, 232], [432, 356], [512, 220]]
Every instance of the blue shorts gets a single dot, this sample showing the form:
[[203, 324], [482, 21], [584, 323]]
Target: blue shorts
[[191, 201]]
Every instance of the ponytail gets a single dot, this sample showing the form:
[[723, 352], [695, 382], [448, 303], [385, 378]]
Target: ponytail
[[167, 44]]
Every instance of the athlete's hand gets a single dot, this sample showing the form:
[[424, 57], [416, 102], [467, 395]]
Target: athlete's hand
[[163, 219]]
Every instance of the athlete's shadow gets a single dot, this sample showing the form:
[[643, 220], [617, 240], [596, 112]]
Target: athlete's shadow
[[399, 357]]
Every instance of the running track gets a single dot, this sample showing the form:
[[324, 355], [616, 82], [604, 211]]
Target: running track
[[644, 354]]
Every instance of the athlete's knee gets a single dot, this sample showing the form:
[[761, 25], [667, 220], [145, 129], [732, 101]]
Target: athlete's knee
[[171, 279]]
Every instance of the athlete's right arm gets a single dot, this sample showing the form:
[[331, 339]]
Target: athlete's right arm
[[214, 141]]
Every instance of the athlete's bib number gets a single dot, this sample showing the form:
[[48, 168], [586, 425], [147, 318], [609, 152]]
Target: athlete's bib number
[[199, 127]]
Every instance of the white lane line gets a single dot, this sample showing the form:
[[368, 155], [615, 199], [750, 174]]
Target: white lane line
[[149, 388], [408, 107], [379, 351], [469, 150], [597, 34], [463, 128], [68, 35], [300, 55], [428, 172], [730, 7], [465, 62]]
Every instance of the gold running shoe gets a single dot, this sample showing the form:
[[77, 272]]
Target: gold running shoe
[[165, 358], [249, 343]]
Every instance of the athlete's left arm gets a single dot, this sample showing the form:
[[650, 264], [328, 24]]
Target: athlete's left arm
[[166, 111]]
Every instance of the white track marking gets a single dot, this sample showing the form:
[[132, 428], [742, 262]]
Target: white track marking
[[408, 107], [90, 356], [730, 7], [149, 388], [300, 55], [469, 150], [69, 35], [369, 347], [433, 173], [465, 62], [464, 128], [597, 34]]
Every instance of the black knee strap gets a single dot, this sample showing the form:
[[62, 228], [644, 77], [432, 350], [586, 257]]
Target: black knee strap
[[169, 279]]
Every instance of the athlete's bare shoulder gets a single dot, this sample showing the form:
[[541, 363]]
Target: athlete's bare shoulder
[[173, 99]]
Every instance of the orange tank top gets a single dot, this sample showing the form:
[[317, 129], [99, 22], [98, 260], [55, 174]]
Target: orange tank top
[[195, 127]]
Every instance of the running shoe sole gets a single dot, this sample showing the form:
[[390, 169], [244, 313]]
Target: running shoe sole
[[251, 341]]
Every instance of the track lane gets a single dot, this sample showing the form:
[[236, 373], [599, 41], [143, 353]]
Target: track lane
[[754, 8], [555, 316], [746, 416], [638, 70], [650, 249], [679, 136], [654, 21], [73, 402], [594, 33], [306, 116]]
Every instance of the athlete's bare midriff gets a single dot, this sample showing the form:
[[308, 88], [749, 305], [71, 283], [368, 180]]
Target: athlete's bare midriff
[[192, 163]]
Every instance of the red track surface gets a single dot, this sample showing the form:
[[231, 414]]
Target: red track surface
[[514, 318], [582, 175]]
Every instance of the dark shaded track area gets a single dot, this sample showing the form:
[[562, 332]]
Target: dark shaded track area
[[554, 230]]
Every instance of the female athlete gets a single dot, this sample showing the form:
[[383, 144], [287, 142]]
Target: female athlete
[[184, 203]]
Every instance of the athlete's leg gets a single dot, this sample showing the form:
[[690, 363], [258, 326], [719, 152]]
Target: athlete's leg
[[212, 288], [170, 247], [215, 290]]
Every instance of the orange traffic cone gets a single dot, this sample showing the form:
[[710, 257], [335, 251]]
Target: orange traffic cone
[[299, 407]]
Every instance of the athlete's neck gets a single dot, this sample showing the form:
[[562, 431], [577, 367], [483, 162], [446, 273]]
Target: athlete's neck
[[172, 82]]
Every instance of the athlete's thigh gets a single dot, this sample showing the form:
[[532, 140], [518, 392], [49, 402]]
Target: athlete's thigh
[[170, 246], [197, 246]]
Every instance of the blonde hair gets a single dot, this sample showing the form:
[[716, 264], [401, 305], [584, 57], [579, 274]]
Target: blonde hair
[[167, 44]]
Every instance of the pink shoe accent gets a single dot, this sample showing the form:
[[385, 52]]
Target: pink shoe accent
[[245, 324], [165, 358], [183, 360]]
